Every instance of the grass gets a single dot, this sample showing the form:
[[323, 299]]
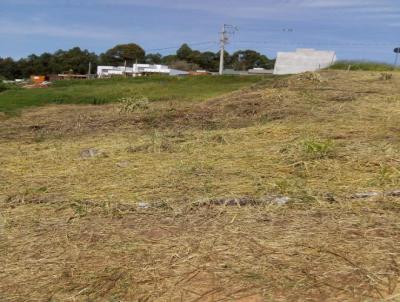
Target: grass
[[99, 92], [363, 66], [139, 221]]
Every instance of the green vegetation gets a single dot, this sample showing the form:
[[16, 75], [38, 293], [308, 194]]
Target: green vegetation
[[317, 149], [98, 92], [363, 65]]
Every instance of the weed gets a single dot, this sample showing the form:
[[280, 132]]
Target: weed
[[313, 77], [318, 149], [133, 104], [98, 101], [386, 76], [386, 177]]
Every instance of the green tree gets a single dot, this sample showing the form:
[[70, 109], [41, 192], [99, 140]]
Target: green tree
[[9, 69], [247, 59], [123, 52], [152, 58], [169, 59], [184, 52], [75, 60], [209, 61]]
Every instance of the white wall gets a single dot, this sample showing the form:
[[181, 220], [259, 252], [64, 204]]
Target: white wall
[[303, 60]]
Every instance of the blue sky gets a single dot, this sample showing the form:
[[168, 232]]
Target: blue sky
[[356, 29]]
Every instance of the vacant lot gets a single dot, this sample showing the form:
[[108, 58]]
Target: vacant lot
[[286, 190]]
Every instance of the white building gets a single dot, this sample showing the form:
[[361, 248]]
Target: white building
[[137, 70], [303, 60]]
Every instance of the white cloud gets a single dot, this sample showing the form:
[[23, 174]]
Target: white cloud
[[261, 9], [19, 28], [272, 9]]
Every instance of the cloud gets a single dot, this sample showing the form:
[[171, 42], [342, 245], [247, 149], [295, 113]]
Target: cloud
[[339, 3], [262, 9], [219, 6], [51, 30], [251, 9]]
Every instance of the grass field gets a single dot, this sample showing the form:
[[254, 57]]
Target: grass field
[[99, 92], [363, 66], [287, 190]]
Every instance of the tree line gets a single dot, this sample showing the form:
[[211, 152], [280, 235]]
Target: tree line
[[77, 60]]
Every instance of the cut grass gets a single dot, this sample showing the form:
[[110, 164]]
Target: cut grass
[[71, 228], [98, 92]]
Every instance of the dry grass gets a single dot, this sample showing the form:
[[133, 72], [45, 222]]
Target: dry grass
[[72, 230]]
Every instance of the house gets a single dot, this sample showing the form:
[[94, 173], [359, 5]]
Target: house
[[303, 60], [137, 70]]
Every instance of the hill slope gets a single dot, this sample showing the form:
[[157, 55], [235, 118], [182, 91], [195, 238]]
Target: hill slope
[[258, 195]]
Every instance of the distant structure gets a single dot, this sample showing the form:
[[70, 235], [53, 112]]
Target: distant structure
[[259, 71], [302, 60], [137, 70]]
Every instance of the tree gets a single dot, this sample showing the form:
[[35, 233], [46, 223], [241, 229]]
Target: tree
[[9, 69], [153, 58], [247, 59], [76, 60], [123, 52], [169, 59], [184, 52], [209, 61]]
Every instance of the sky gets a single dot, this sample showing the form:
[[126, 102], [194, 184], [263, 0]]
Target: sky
[[355, 29]]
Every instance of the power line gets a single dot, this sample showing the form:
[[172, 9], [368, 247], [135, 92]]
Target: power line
[[361, 44]]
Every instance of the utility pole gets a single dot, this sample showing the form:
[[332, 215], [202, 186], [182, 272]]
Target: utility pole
[[227, 31], [90, 69], [397, 52]]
